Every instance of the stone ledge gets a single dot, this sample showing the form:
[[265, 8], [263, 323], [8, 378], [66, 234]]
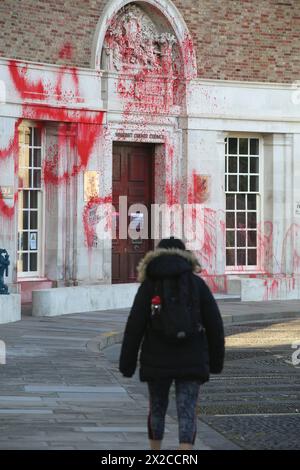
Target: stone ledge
[[274, 288], [82, 299], [10, 308]]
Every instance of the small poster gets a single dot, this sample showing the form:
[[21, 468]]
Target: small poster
[[201, 188], [7, 192], [297, 209], [33, 241], [137, 221], [91, 185]]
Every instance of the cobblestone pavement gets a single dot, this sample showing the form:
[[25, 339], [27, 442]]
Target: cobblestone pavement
[[57, 393], [256, 401]]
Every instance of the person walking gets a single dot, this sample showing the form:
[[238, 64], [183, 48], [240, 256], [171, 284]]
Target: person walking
[[176, 322]]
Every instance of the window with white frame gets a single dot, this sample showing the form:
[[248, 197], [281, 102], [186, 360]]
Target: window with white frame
[[242, 186], [29, 201]]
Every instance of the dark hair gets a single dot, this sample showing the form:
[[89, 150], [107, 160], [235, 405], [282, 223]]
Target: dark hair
[[171, 243]]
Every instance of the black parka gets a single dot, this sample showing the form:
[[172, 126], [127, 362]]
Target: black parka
[[192, 359]]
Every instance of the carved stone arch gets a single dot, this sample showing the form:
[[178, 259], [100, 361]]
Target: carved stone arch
[[156, 26]]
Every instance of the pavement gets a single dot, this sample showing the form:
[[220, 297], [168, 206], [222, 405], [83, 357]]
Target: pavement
[[60, 387]]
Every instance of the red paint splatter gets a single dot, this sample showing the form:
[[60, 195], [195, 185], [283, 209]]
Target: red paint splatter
[[13, 145], [88, 123], [30, 90], [189, 57], [26, 88], [64, 96], [198, 191], [291, 248], [62, 114], [217, 284], [6, 210], [89, 218], [82, 146], [10, 151], [150, 70], [172, 192]]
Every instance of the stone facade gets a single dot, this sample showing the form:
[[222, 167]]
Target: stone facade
[[159, 95]]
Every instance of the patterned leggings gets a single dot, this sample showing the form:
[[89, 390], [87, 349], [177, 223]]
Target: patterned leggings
[[186, 401]]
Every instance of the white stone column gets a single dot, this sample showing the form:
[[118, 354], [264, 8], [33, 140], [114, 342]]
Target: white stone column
[[54, 215], [92, 259], [205, 154], [277, 203], [296, 202]]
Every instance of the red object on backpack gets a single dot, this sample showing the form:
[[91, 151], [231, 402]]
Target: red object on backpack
[[156, 300]]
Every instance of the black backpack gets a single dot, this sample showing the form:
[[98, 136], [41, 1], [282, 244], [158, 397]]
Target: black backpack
[[175, 308]]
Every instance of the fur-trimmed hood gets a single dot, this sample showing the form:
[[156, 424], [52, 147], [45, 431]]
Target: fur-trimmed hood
[[167, 262]]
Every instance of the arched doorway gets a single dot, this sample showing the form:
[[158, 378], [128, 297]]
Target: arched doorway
[[146, 58]]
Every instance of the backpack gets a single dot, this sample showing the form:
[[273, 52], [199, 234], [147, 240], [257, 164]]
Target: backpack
[[175, 308]]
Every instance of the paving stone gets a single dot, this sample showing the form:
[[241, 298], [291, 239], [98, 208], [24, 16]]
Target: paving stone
[[61, 338], [19, 411], [75, 389], [81, 400], [19, 399], [109, 429]]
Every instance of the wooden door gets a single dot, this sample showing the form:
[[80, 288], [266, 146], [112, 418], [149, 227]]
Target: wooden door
[[132, 177]]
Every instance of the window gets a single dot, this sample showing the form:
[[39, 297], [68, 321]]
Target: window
[[30, 200], [242, 200]]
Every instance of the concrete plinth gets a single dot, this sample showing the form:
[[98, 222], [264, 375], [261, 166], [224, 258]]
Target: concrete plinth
[[66, 300], [275, 288], [10, 308]]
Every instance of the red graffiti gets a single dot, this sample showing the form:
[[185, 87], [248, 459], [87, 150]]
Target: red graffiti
[[26, 88], [10, 151], [13, 145], [172, 193], [217, 284], [81, 146], [30, 90], [6, 210], [78, 129], [88, 123], [71, 95]]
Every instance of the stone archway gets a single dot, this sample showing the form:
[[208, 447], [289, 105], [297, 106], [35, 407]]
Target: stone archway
[[157, 22]]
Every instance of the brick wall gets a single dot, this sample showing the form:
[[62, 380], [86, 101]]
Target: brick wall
[[257, 40]]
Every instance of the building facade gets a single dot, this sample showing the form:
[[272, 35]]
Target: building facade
[[114, 107]]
